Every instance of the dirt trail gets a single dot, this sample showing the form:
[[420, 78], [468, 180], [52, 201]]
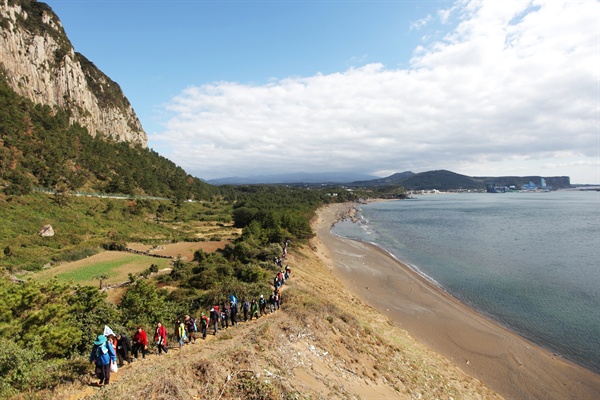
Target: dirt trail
[[324, 343], [204, 347]]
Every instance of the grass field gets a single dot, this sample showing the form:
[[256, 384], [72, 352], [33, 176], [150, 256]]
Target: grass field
[[114, 264]]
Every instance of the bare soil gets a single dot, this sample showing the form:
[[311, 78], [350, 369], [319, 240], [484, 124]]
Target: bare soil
[[184, 250]]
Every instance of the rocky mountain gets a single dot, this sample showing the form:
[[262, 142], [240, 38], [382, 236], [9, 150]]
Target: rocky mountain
[[40, 64]]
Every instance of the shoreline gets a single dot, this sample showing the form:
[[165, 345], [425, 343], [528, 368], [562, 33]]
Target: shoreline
[[508, 363]]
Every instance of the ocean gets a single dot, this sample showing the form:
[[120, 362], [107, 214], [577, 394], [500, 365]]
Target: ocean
[[529, 261]]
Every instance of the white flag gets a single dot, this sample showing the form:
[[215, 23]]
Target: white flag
[[108, 331]]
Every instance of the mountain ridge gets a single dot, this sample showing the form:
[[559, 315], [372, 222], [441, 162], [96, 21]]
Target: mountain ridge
[[427, 180], [291, 178]]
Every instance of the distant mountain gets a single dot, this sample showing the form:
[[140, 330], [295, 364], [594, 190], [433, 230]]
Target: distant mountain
[[448, 180], [292, 178], [390, 180], [440, 180]]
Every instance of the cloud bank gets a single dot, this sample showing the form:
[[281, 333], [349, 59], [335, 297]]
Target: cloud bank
[[511, 88]]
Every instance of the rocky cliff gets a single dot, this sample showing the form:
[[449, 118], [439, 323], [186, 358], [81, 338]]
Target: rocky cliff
[[41, 64]]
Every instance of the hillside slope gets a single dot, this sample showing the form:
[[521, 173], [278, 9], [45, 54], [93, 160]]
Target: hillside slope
[[324, 343]]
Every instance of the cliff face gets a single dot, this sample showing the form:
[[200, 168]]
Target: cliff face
[[40, 64]]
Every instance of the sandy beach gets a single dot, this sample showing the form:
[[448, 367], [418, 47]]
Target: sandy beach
[[509, 364]]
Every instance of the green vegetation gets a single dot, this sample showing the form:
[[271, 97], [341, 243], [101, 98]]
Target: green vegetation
[[84, 225], [38, 147], [56, 320]]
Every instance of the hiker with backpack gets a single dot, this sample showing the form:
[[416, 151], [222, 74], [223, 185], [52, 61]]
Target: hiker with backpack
[[160, 338], [190, 327], [262, 305], [276, 298], [103, 354], [226, 314], [234, 310], [203, 325], [214, 319]]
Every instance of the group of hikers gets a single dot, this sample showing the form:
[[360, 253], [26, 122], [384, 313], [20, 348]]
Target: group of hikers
[[110, 350]]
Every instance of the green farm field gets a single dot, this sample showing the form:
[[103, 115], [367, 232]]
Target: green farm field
[[116, 265]]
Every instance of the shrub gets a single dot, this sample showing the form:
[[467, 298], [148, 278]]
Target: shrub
[[115, 246], [21, 368], [75, 255], [8, 251], [251, 274]]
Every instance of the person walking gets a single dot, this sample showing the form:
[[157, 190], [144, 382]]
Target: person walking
[[180, 331], [226, 315], [123, 348], [246, 307], [234, 311], [140, 342], [190, 327], [253, 309], [262, 305], [272, 303], [203, 324], [288, 272], [214, 319], [160, 338], [103, 353]]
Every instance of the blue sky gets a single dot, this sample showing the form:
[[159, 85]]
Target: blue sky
[[239, 88]]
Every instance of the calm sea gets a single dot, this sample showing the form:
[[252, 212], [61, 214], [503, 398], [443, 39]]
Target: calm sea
[[530, 261]]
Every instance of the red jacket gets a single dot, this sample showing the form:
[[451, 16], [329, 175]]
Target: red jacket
[[161, 333], [140, 338]]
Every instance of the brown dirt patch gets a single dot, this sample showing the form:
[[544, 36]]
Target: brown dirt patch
[[184, 249]]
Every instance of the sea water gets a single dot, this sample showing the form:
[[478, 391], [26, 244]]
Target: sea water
[[530, 261]]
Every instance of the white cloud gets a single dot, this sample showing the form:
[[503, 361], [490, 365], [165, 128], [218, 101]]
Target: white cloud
[[513, 87], [421, 23]]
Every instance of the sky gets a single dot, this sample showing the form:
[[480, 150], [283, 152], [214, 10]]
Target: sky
[[244, 88]]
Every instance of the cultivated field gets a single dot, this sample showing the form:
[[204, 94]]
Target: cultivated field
[[117, 265]]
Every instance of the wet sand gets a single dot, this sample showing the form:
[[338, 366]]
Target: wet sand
[[506, 362]]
